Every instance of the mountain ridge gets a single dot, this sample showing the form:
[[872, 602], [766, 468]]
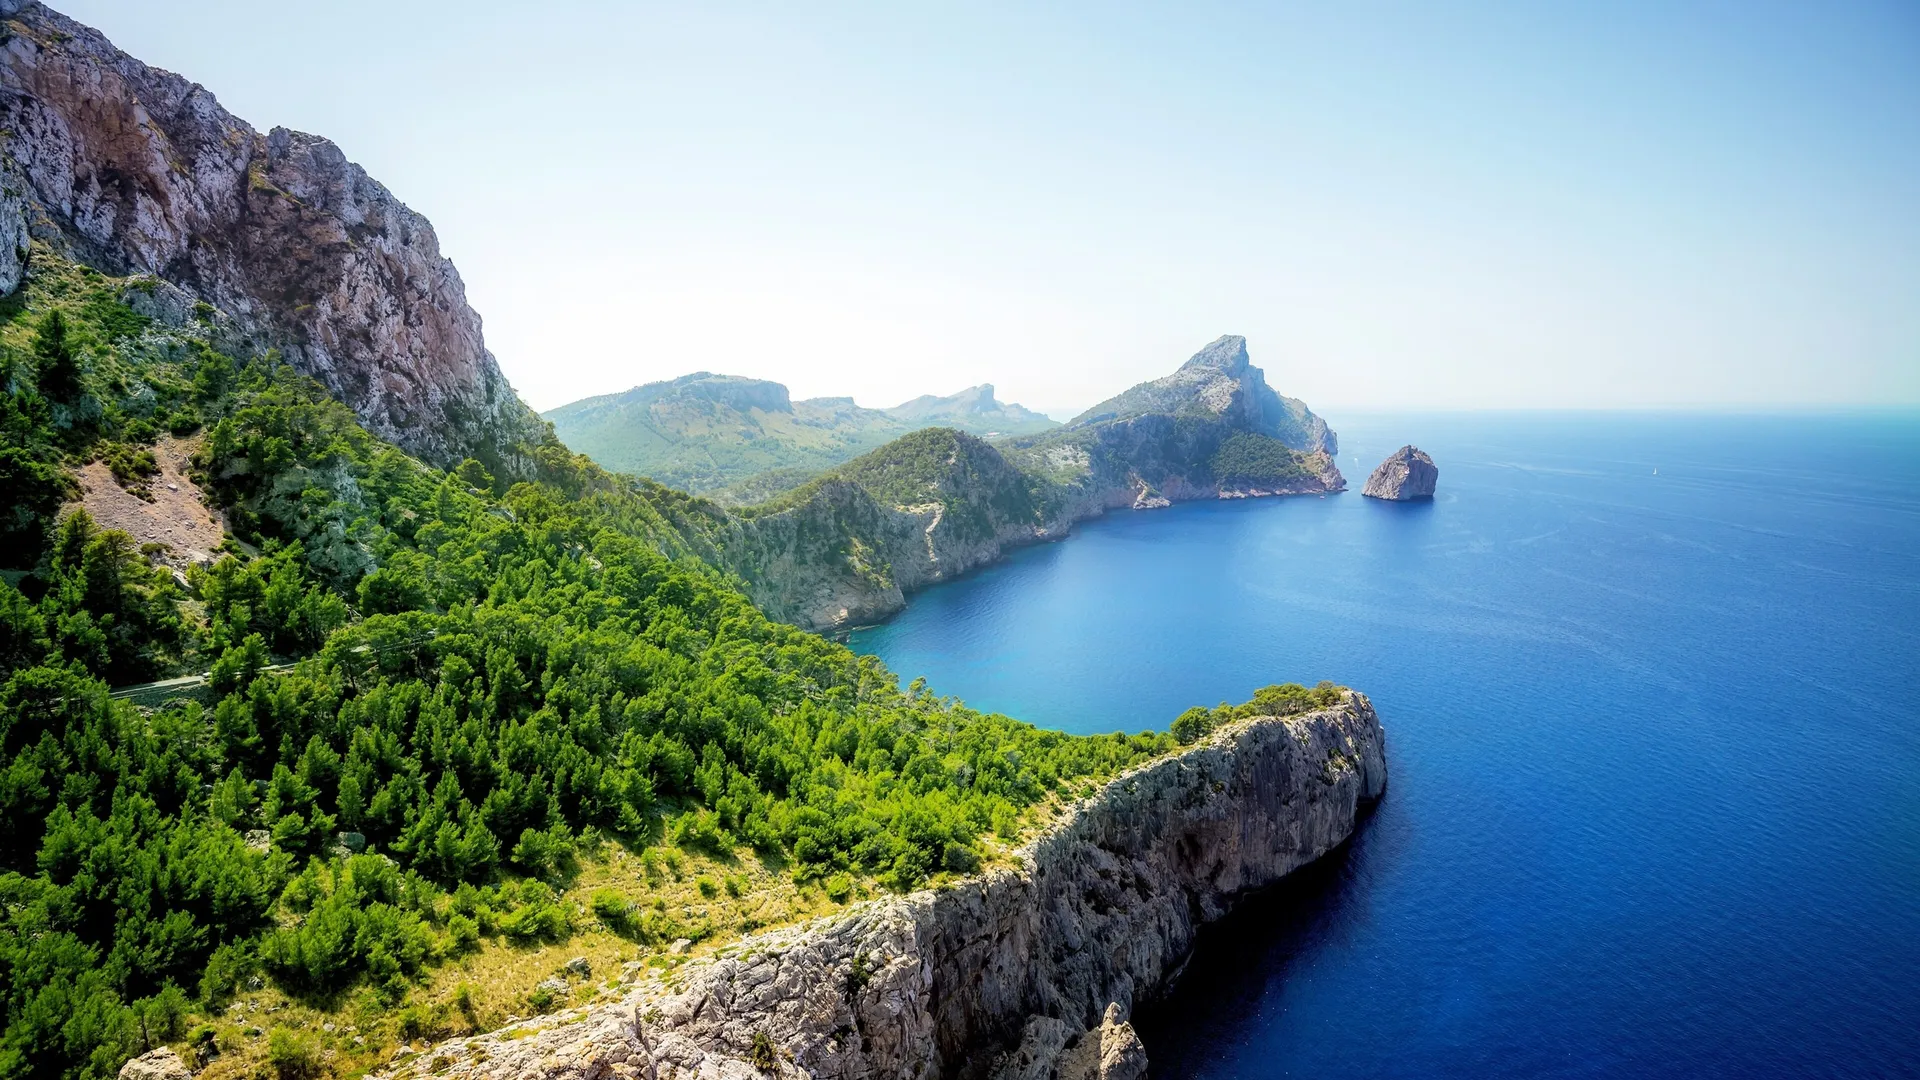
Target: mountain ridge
[[133, 169], [847, 546], [708, 432]]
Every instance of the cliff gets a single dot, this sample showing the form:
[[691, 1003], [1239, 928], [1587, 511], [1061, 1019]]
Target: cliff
[[1220, 381], [1024, 972], [847, 547], [1406, 475], [131, 169]]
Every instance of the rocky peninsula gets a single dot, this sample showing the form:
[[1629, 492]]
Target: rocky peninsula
[[1407, 474], [1022, 973], [848, 546]]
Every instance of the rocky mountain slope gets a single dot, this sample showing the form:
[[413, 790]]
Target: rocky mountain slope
[[1220, 382], [974, 410], [704, 432], [847, 547], [1021, 974], [132, 169]]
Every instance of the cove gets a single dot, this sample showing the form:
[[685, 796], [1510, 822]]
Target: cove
[[1653, 736]]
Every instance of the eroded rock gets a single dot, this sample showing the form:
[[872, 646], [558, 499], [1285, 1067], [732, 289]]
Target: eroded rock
[[160, 1064], [1406, 475], [135, 170]]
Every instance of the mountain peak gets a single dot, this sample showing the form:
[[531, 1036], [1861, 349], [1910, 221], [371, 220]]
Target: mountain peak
[[974, 409], [1226, 353], [131, 169], [1219, 381]]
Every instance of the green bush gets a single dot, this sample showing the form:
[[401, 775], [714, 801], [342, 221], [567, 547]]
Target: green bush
[[839, 888], [293, 1056]]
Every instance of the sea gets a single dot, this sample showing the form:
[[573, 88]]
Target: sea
[[1651, 688]]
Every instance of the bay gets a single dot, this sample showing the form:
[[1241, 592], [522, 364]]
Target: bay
[[1651, 685]]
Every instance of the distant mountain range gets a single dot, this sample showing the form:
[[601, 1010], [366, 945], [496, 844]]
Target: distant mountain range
[[703, 432], [845, 546]]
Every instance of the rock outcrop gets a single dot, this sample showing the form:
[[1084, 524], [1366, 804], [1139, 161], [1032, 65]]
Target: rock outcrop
[[1407, 474], [1222, 381], [161, 1064], [132, 169], [1023, 973]]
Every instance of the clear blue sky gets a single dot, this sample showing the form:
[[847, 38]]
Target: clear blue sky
[[1498, 205]]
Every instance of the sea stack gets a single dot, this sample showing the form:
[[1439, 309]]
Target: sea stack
[[1406, 475]]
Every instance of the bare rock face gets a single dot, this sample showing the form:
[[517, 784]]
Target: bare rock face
[[1406, 475], [1026, 973], [136, 170], [161, 1064]]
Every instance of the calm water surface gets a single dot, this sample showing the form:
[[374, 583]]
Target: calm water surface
[[1654, 742]]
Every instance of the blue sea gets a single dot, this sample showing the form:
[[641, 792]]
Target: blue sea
[[1651, 686]]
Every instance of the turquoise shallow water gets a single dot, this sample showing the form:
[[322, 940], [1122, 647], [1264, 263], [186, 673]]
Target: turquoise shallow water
[[1654, 740]]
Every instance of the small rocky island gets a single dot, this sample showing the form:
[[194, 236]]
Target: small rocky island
[[1406, 475]]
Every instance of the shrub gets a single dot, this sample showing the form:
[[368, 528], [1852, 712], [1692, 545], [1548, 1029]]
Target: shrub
[[542, 998], [612, 908], [760, 1053], [839, 888], [293, 1056], [1189, 726], [463, 934], [537, 922]]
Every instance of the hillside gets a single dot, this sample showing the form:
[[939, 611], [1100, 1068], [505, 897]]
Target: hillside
[[456, 722], [847, 546], [134, 170], [454, 732], [721, 434]]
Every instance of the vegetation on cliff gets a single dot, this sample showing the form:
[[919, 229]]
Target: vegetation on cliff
[[977, 490], [489, 690], [707, 433]]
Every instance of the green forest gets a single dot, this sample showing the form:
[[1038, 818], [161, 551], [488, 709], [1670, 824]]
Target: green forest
[[430, 693], [1246, 457]]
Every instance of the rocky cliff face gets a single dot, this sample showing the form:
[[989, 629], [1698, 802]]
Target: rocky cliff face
[[939, 503], [1220, 381], [136, 170], [1406, 475], [1020, 974], [927, 507]]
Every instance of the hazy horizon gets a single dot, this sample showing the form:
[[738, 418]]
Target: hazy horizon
[[1649, 206]]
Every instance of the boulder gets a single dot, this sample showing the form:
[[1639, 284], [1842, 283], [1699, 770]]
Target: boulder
[[161, 1064], [1406, 475]]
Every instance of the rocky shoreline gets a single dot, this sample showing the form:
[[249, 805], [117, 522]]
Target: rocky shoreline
[[905, 549], [1022, 973]]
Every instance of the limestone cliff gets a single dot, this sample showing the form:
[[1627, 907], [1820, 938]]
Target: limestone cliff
[[1221, 381], [847, 548], [1406, 475], [1027, 972], [136, 170]]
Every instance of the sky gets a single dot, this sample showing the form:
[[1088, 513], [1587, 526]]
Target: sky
[[1492, 206]]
